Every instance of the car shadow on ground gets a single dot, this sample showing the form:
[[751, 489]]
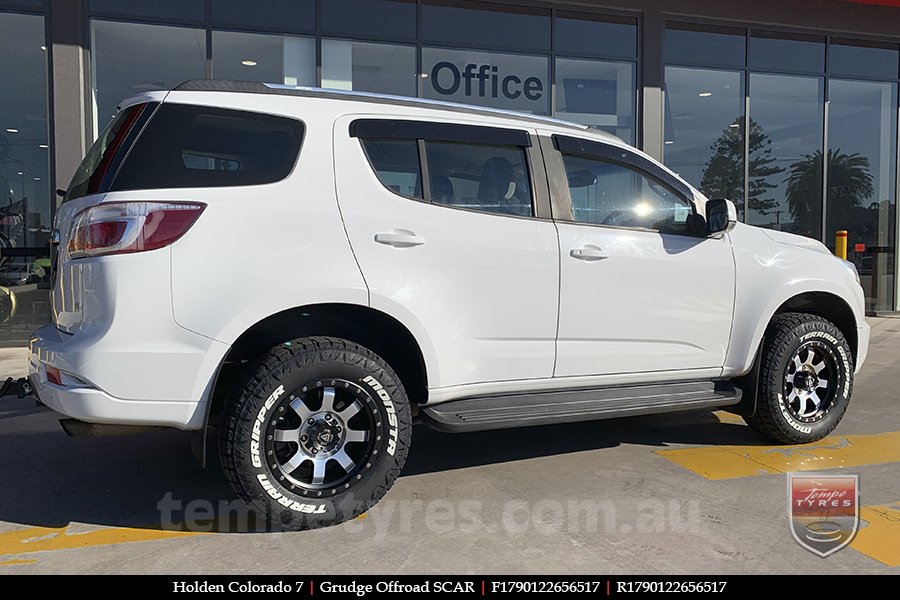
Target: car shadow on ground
[[151, 480], [435, 451]]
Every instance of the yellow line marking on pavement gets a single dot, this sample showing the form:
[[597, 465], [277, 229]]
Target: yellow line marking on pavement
[[727, 417], [18, 561], [41, 539], [835, 452], [880, 539]]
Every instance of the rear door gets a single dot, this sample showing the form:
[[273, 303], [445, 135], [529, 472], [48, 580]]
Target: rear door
[[450, 225]]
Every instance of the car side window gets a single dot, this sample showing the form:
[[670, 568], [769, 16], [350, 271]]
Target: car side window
[[185, 146], [474, 167], [396, 163], [481, 177], [609, 193]]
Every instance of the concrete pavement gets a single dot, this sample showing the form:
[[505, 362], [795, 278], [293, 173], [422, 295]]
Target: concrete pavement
[[641, 495]]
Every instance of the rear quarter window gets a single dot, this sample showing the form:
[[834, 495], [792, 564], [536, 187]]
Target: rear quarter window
[[396, 163], [102, 160], [187, 146]]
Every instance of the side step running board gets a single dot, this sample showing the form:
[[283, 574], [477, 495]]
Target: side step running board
[[568, 406]]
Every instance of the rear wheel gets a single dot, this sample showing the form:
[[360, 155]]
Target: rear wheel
[[805, 381], [316, 434]]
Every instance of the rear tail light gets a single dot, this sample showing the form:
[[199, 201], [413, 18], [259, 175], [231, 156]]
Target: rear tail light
[[64, 378], [128, 227], [54, 376]]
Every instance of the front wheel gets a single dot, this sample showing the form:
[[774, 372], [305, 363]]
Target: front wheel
[[316, 434], [805, 379]]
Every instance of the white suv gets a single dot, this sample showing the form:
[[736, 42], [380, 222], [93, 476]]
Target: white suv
[[306, 271]]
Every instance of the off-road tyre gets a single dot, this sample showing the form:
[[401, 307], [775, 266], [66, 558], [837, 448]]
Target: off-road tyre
[[282, 400], [800, 352]]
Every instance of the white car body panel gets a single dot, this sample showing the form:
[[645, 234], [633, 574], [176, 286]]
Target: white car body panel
[[134, 352], [769, 273], [147, 332], [657, 303], [482, 287], [549, 384]]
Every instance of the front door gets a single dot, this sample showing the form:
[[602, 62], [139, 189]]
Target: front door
[[639, 293]]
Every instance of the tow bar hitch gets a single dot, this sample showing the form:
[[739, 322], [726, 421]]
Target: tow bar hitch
[[15, 387]]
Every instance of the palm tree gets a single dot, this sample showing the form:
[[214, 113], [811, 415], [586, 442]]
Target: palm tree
[[849, 184]]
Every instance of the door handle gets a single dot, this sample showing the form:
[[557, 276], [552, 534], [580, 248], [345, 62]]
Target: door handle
[[589, 252], [399, 238]]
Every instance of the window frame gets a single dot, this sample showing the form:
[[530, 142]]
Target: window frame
[[365, 151], [438, 131], [616, 155], [422, 131]]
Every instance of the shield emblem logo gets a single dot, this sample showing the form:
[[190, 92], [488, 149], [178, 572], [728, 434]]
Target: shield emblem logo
[[824, 510]]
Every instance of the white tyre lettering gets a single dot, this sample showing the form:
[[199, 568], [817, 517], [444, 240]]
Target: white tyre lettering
[[255, 458], [287, 502], [254, 454], [393, 433]]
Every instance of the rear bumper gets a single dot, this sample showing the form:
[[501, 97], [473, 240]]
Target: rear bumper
[[166, 385], [862, 344], [95, 406]]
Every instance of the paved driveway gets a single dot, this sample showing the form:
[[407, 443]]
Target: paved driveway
[[686, 493]]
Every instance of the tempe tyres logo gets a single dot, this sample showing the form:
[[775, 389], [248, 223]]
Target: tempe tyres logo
[[824, 510]]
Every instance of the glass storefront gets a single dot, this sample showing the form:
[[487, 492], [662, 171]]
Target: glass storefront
[[704, 133], [474, 24], [509, 81], [786, 114], [25, 212], [369, 67], [799, 129], [862, 180], [581, 66], [130, 58], [285, 59], [597, 93], [800, 143]]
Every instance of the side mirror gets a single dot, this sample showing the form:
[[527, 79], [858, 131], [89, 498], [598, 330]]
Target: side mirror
[[721, 215]]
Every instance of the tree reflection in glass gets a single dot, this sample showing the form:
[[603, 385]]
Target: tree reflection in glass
[[723, 176], [849, 184]]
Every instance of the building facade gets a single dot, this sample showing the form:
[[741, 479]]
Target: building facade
[[788, 107]]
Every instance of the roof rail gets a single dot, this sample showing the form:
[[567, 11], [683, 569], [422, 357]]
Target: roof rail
[[252, 87]]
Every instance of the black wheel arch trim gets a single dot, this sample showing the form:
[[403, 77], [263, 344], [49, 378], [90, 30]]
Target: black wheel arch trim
[[200, 439]]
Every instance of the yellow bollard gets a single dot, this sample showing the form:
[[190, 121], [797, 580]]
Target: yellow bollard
[[840, 244]]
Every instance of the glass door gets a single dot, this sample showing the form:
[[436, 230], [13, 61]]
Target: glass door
[[862, 181]]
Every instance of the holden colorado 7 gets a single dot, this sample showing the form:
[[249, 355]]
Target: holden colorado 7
[[305, 272]]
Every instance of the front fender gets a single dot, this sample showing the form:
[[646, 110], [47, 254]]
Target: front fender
[[769, 274]]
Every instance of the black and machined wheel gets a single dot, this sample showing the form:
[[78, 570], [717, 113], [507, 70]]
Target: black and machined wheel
[[805, 379], [316, 433]]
